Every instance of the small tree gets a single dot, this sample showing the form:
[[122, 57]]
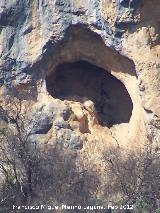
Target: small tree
[[135, 176], [49, 174], [18, 155]]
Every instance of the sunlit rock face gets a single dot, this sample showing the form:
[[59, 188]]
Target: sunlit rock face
[[90, 71]]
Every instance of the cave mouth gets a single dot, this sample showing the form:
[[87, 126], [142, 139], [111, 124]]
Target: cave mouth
[[112, 102]]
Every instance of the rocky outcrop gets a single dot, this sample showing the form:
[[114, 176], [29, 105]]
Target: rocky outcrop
[[40, 39]]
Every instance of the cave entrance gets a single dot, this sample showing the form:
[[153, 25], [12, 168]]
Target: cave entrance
[[112, 102]]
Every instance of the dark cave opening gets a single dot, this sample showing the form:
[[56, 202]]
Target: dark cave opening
[[112, 102]]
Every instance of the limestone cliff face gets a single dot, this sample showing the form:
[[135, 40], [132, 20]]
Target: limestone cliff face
[[119, 36]]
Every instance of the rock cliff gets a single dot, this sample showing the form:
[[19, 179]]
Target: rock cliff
[[89, 71]]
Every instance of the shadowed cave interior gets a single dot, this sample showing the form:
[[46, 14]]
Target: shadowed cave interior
[[112, 102]]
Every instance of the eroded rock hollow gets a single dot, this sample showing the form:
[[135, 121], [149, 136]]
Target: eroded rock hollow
[[81, 80], [79, 102]]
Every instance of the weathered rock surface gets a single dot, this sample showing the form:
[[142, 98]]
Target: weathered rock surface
[[119, 36]]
